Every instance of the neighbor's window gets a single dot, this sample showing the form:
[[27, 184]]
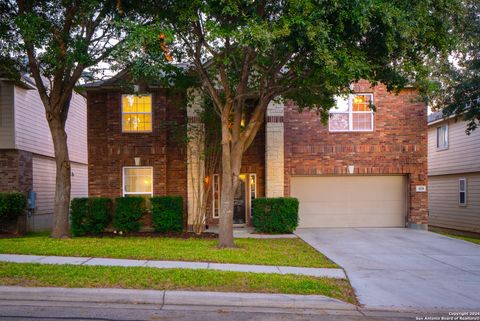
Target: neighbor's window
[[136, 113], [352, 114], [137, 181], [462, 192], [442, 137], [216, 195]]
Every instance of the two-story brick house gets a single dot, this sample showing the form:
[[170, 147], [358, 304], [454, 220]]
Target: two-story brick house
[[363, 169], [27, 160]]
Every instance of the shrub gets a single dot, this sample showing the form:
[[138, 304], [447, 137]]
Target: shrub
[[275, 215], [90, 215], [167, 213], [12, 204], [128, 212]]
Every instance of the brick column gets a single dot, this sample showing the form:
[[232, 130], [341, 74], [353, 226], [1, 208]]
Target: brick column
[[195, 162], [274, 151]]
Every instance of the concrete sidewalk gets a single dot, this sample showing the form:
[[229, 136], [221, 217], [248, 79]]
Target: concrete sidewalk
[[317, 272]]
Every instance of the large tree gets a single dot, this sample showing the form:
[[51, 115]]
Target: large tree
[[60, 39], [248, 53], [458, 92]]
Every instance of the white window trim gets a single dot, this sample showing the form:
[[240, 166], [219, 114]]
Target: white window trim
[[350, 113], [250, 190], [464, 191], [136, 193], [213, 195], [447, 135], [145, 113]]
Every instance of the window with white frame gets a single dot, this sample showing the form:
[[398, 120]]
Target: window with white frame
[[137, 181], [442, 137], [353, 114], [253, 190], [216, 195], [462, 192], [136, 113]]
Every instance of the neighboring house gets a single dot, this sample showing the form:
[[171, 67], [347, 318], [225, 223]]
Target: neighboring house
[[26, 148], [364, 169], [454, 174]]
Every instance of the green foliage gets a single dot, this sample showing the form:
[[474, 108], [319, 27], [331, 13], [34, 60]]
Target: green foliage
[[90, 215], [12, 204], [167, 213], [459, 90], [128, 212], [275, 215]]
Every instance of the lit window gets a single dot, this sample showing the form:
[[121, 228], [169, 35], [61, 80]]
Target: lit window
[[136, 113], [462, 192], [137, 181], [352, 114], [442, 137], [253, 190], [216, 195]]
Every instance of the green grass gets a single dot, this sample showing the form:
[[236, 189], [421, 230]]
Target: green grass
[[22, 274], [463, 237], [287, 252]]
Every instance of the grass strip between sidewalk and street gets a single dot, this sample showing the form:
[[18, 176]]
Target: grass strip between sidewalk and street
[[70, 276], [283, 252]]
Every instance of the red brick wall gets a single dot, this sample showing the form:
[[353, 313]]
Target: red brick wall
[[15, 171], [109, 150], [398, 145]]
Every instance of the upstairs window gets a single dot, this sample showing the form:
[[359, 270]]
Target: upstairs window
[[442, 137], [136, 113], [462, 192], [354, 114]]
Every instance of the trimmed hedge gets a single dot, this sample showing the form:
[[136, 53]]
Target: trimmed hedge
[[275, 215], [128, 212], [90, 215], [12, 204], [167, 213]]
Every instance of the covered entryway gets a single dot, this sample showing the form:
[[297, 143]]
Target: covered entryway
[[350, 201]]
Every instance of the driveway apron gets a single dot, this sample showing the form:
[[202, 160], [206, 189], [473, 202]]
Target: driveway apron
[[403, 268]]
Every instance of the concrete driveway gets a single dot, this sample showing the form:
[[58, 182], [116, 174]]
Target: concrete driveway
[[403, 268]]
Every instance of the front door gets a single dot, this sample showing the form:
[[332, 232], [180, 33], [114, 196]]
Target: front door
[[239, 208]]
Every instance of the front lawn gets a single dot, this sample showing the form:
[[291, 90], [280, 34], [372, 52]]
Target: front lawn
[[463, 237], [466, 236], [286, 252], [22, 274]]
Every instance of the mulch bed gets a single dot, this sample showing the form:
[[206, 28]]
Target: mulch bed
[[181, 235]]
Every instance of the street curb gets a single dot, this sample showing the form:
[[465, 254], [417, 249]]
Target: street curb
[[173, 298], [200, 301]]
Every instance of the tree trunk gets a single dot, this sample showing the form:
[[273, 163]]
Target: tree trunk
[[231, 164], [63, 178]]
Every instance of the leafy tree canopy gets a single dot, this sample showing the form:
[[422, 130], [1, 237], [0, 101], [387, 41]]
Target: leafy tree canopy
[[458, 92], [306, 50]]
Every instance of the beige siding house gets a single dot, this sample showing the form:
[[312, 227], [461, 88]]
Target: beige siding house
[[454, 174], [26, 148]]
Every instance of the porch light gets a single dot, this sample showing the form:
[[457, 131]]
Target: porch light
[[137, 161], [351, 169]]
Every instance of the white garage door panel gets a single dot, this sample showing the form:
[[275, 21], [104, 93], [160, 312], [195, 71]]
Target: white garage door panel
[[355, 201]]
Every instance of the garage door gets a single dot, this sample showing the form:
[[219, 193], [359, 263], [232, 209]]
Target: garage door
[[350, 201]]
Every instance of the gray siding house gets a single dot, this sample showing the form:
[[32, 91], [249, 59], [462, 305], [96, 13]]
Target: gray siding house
[[453, 174], [26, 148]]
